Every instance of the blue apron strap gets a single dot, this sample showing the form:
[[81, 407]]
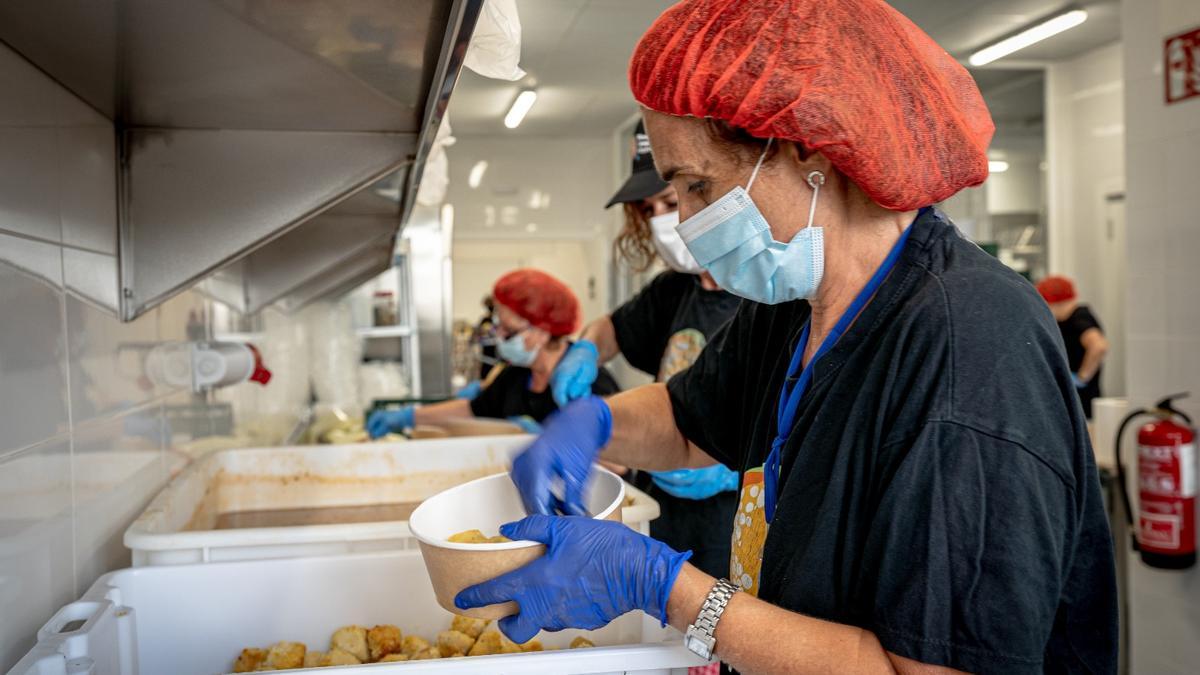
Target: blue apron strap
[[793, 392]]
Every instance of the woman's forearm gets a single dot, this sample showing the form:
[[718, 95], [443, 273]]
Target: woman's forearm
[[756, 637], [456, 409], [1095, 348], [603, 334], [644, 433]]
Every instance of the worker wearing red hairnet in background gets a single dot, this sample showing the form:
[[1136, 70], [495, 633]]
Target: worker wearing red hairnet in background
[[1082, 336], [534, 315], [918, 489]]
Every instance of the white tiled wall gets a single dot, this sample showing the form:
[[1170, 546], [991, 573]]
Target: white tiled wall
[[81, 433], [1086, 155], [1163, 156]]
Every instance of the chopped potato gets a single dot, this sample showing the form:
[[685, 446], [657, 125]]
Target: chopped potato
[[393, 657], [426, 654], [249, 660], [453, 643], [492, 642], [352, 640], [313, 659], [285, 655], [468, 625], [498, 539], [582, 643], [532, 646], [487, 644], [468, 537], [413, 645], [383, 640], [337, 657]]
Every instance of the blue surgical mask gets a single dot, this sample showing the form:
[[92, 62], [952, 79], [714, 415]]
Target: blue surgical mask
[[513, 350], [733, 241]]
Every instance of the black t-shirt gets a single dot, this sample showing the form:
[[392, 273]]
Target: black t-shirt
[[1080, 322], [663, 329], [508, 395], [938, 487]]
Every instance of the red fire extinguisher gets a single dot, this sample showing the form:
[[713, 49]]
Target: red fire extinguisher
[[1165, 532]]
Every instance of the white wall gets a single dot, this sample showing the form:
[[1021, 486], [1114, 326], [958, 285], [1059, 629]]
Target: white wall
[[1018, 190], [1163, 153], [1086, 159], [82, 447], [478, 263]]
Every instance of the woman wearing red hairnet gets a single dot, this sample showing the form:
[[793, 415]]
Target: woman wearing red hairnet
[[918, 489], [534, 315]]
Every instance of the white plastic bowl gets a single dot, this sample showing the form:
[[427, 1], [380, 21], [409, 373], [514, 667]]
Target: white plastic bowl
[[485, 504]]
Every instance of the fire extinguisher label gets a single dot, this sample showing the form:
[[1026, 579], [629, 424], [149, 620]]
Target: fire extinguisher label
[[1158, 530], [1167, 471]]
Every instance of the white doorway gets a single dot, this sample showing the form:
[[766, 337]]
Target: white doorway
[[1110, 303]]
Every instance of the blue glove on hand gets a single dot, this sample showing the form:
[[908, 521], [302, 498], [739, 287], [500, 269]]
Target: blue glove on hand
[[573, 377], [565, 451], [696, 483], [1079, 381], [388, 421], [527, 424], [593, 572], [471, 391]]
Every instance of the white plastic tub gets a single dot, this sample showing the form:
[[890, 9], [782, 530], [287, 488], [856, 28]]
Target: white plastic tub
[[178, 527], [195, 619]]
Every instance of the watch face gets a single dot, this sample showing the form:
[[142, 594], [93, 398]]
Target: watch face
[[698, 645]]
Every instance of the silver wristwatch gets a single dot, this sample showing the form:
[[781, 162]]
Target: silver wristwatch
[[701, 636]]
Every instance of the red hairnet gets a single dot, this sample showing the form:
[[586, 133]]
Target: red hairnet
[[540, 299], [852, 79], [1056, 289]]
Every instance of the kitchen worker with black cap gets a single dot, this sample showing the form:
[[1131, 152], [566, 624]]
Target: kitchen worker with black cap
[[919, 492], [661, 331]]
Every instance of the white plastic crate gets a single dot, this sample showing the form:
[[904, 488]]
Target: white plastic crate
[[195, 620], [177, 527]]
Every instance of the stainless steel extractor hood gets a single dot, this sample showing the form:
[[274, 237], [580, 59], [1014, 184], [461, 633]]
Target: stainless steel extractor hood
[[249, 132]]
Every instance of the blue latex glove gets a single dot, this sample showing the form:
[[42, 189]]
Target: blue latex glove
[[527, 424], [573, 376], [469, 392], [564, 452], [1080, 383], [593, 572], [388, 421], [696, 483]]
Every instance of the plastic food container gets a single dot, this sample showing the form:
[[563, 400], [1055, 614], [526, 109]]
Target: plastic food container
[[322, 493], [486, 504], [195, 619]]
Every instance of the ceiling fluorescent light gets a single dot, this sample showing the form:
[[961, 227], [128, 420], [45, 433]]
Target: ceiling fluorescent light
[[1032, 35], [476, 175], [997, 166], [520, 108]]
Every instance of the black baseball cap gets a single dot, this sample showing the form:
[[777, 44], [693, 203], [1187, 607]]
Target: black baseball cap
[[644, 182]]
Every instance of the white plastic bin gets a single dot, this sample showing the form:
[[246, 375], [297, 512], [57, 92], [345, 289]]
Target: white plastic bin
[[196, 619], [178, 527]]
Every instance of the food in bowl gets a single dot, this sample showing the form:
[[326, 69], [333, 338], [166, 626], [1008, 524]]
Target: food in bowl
[[476, 537], [485, 504]]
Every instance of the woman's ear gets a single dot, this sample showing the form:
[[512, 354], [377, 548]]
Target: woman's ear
[[806, 160]]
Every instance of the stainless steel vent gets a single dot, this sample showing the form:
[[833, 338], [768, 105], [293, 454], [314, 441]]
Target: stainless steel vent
[[250, 131]]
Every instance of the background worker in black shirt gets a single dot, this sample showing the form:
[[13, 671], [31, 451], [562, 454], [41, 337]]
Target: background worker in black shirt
[[661, 331], [919, 490], [534, 315], [1082, 336]]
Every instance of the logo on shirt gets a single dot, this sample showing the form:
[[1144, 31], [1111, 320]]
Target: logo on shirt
[[682, 351]]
